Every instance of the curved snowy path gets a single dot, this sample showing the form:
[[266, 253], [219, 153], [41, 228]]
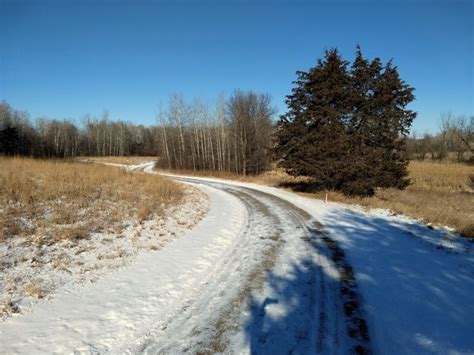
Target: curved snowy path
[[255, 275], [280, 289]]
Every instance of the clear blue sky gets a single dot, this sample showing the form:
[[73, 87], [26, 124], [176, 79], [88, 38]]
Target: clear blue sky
[[65, 59]]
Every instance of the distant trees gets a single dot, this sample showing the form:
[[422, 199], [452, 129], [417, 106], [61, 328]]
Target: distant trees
[[235, 136], [10, 142], [103, 137], [63, 138], [344, 127], [250, 127], [459, 135], [454, 141]]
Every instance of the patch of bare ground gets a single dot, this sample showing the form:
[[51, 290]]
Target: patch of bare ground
[[440, 193], [63, 223]]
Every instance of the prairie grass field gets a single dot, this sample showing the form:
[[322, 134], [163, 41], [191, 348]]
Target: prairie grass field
[[57, 200], [66, 222]]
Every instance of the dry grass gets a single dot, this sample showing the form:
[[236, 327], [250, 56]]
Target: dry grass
[[447, 177], [35, 290], [119, 160], [65, 201], [440, 193]]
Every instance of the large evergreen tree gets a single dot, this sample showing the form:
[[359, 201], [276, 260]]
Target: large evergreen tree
[[344, 128]]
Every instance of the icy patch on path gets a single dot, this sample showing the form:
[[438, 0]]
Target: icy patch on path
[[109, 314]]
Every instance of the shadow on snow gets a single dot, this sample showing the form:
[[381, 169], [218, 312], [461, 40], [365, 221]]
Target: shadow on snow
[[313, 308]]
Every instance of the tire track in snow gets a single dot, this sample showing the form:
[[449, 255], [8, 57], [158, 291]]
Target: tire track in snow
[[262, 281], [336, 321], [206, 323]]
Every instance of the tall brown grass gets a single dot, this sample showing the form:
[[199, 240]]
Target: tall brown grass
[[56, 200], [440, 193]]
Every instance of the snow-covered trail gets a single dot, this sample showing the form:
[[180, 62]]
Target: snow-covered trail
[[268, 271], [415, 281], [253, 276], [288, 296]]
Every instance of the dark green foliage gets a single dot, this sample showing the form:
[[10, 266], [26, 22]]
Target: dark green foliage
[[10, 141], [344, 126]]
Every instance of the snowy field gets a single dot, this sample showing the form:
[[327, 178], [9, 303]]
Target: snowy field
[[269, 271]]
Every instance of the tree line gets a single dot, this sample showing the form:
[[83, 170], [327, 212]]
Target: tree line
[[454, 141], [54, 138], [233, 135]]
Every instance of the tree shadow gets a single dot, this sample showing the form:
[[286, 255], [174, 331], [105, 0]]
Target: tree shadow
[[416, 292], [312, 308], [300, 186], [418, 282]]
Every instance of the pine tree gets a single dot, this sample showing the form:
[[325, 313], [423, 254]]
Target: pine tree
[[382, 121], [310, 137], [344, 128]]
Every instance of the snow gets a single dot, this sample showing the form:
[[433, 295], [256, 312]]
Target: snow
[[32, 269], [415, 283], [108, 314]]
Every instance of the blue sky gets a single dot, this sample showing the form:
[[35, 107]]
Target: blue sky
[[65, 59]]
